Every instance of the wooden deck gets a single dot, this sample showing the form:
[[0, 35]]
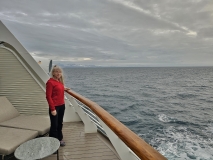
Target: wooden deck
[[81, 146]]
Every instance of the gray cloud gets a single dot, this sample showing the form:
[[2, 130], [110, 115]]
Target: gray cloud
[[114, 32]]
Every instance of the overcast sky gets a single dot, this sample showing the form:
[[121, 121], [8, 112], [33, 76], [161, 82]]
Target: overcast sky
[[114, 32]]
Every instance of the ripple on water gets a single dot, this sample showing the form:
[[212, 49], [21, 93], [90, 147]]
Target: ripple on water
[[179, 143]]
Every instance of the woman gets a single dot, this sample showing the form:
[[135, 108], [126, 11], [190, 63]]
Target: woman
[[55, 98]]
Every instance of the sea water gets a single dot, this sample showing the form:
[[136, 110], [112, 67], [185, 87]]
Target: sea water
[[170, 108]]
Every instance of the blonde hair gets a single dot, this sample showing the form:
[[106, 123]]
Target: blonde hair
[[55, 67]]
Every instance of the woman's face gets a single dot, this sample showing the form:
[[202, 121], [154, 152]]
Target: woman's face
[[57, 74]]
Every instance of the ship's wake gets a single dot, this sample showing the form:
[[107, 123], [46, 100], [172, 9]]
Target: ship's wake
[[180, 143]]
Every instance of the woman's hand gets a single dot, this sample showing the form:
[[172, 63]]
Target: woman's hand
[[66, 89], [54, 113]]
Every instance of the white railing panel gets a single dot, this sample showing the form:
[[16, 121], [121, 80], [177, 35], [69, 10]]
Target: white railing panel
[[70, 114], [89, 126], [123, 151]]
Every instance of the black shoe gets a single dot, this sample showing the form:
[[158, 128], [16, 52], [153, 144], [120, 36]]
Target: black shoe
[[62, 143]]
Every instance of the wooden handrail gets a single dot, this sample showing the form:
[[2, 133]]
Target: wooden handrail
[[133, 141]]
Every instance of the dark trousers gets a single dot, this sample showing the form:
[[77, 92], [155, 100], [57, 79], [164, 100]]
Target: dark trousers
[[57, 122]]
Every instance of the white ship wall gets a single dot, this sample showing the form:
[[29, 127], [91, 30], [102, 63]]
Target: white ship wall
[[19, 86]]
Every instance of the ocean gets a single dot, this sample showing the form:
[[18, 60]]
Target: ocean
[[170, 108]]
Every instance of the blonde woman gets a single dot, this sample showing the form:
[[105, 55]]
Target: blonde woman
[[55, 98]]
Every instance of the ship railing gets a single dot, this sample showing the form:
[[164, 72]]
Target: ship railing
[[92, 116], [128, 145]]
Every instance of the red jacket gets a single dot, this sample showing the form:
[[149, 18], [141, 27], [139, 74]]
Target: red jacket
[[54, 93]]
